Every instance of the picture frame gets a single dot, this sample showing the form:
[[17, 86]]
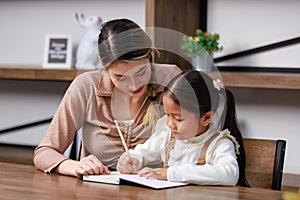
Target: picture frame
[[58, 52]]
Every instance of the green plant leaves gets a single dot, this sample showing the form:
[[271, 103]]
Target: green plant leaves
[[201, 41]]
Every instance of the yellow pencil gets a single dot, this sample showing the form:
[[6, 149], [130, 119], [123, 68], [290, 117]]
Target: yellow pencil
[[121, 136]]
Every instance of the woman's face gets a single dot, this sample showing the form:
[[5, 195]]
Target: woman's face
[[131, 77], [184, 124]]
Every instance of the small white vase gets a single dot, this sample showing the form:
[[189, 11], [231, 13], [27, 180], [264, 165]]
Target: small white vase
[[203, 62]]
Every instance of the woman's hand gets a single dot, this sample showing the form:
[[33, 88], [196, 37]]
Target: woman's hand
[[87, 165], [127, 165], [158, 173], [90, 165]]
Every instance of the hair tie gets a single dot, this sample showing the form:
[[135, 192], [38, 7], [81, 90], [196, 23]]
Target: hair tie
[[218, 84], [153, 98], [152, 93]]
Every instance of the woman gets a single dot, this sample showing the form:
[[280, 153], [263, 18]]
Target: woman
[[125, 92]]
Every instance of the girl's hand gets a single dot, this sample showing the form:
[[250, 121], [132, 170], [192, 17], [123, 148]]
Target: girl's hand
[[90, 165], [158, 173], [127, 165]]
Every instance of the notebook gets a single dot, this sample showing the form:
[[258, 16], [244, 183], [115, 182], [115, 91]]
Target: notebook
[[118, 179]]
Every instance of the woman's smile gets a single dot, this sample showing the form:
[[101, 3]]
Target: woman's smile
[[138, 90]]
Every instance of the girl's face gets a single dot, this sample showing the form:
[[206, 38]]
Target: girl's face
[[131, 77], [184, 124]]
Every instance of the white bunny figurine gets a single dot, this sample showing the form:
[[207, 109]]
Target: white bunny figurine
[[87, 56]]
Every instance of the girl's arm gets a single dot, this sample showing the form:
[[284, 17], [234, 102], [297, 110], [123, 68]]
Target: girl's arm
[[148, 153], [221, 168]]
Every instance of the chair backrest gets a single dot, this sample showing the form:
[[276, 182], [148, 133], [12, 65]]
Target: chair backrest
[[264, 162]]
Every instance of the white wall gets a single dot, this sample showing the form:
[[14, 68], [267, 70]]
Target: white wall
[[247, 24], [23, 102], [272, 114], [242, 25], [24, 24]]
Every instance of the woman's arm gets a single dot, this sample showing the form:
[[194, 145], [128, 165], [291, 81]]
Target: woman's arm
[[60, 134]]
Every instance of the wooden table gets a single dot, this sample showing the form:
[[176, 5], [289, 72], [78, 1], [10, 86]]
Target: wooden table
[[25, 182]]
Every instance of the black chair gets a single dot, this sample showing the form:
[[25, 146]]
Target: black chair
[[75, 148], [264, 162]]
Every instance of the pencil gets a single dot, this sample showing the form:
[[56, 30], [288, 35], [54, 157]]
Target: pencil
[[121, 136]]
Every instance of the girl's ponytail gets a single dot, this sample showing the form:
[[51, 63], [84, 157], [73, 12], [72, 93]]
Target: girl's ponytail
[[232, 125]]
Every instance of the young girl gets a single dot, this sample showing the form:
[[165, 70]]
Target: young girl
[[186, 139]]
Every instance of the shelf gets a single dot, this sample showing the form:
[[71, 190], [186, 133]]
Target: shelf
[[39, 74], [266, 80]]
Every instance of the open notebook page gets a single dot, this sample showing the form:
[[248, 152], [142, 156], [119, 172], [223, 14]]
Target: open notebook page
[[117, 178]]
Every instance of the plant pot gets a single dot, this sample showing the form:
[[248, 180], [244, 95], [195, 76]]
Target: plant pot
[[203, 62]]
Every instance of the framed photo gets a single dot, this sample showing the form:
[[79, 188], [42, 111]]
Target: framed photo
[[58, 52]]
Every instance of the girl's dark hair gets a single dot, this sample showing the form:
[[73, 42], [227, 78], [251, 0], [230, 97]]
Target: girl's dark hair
[[196, 92], [193, 91], [231, 124], [123, 39]]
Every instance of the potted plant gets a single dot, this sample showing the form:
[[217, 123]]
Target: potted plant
[[200, 48], [194, 45]]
